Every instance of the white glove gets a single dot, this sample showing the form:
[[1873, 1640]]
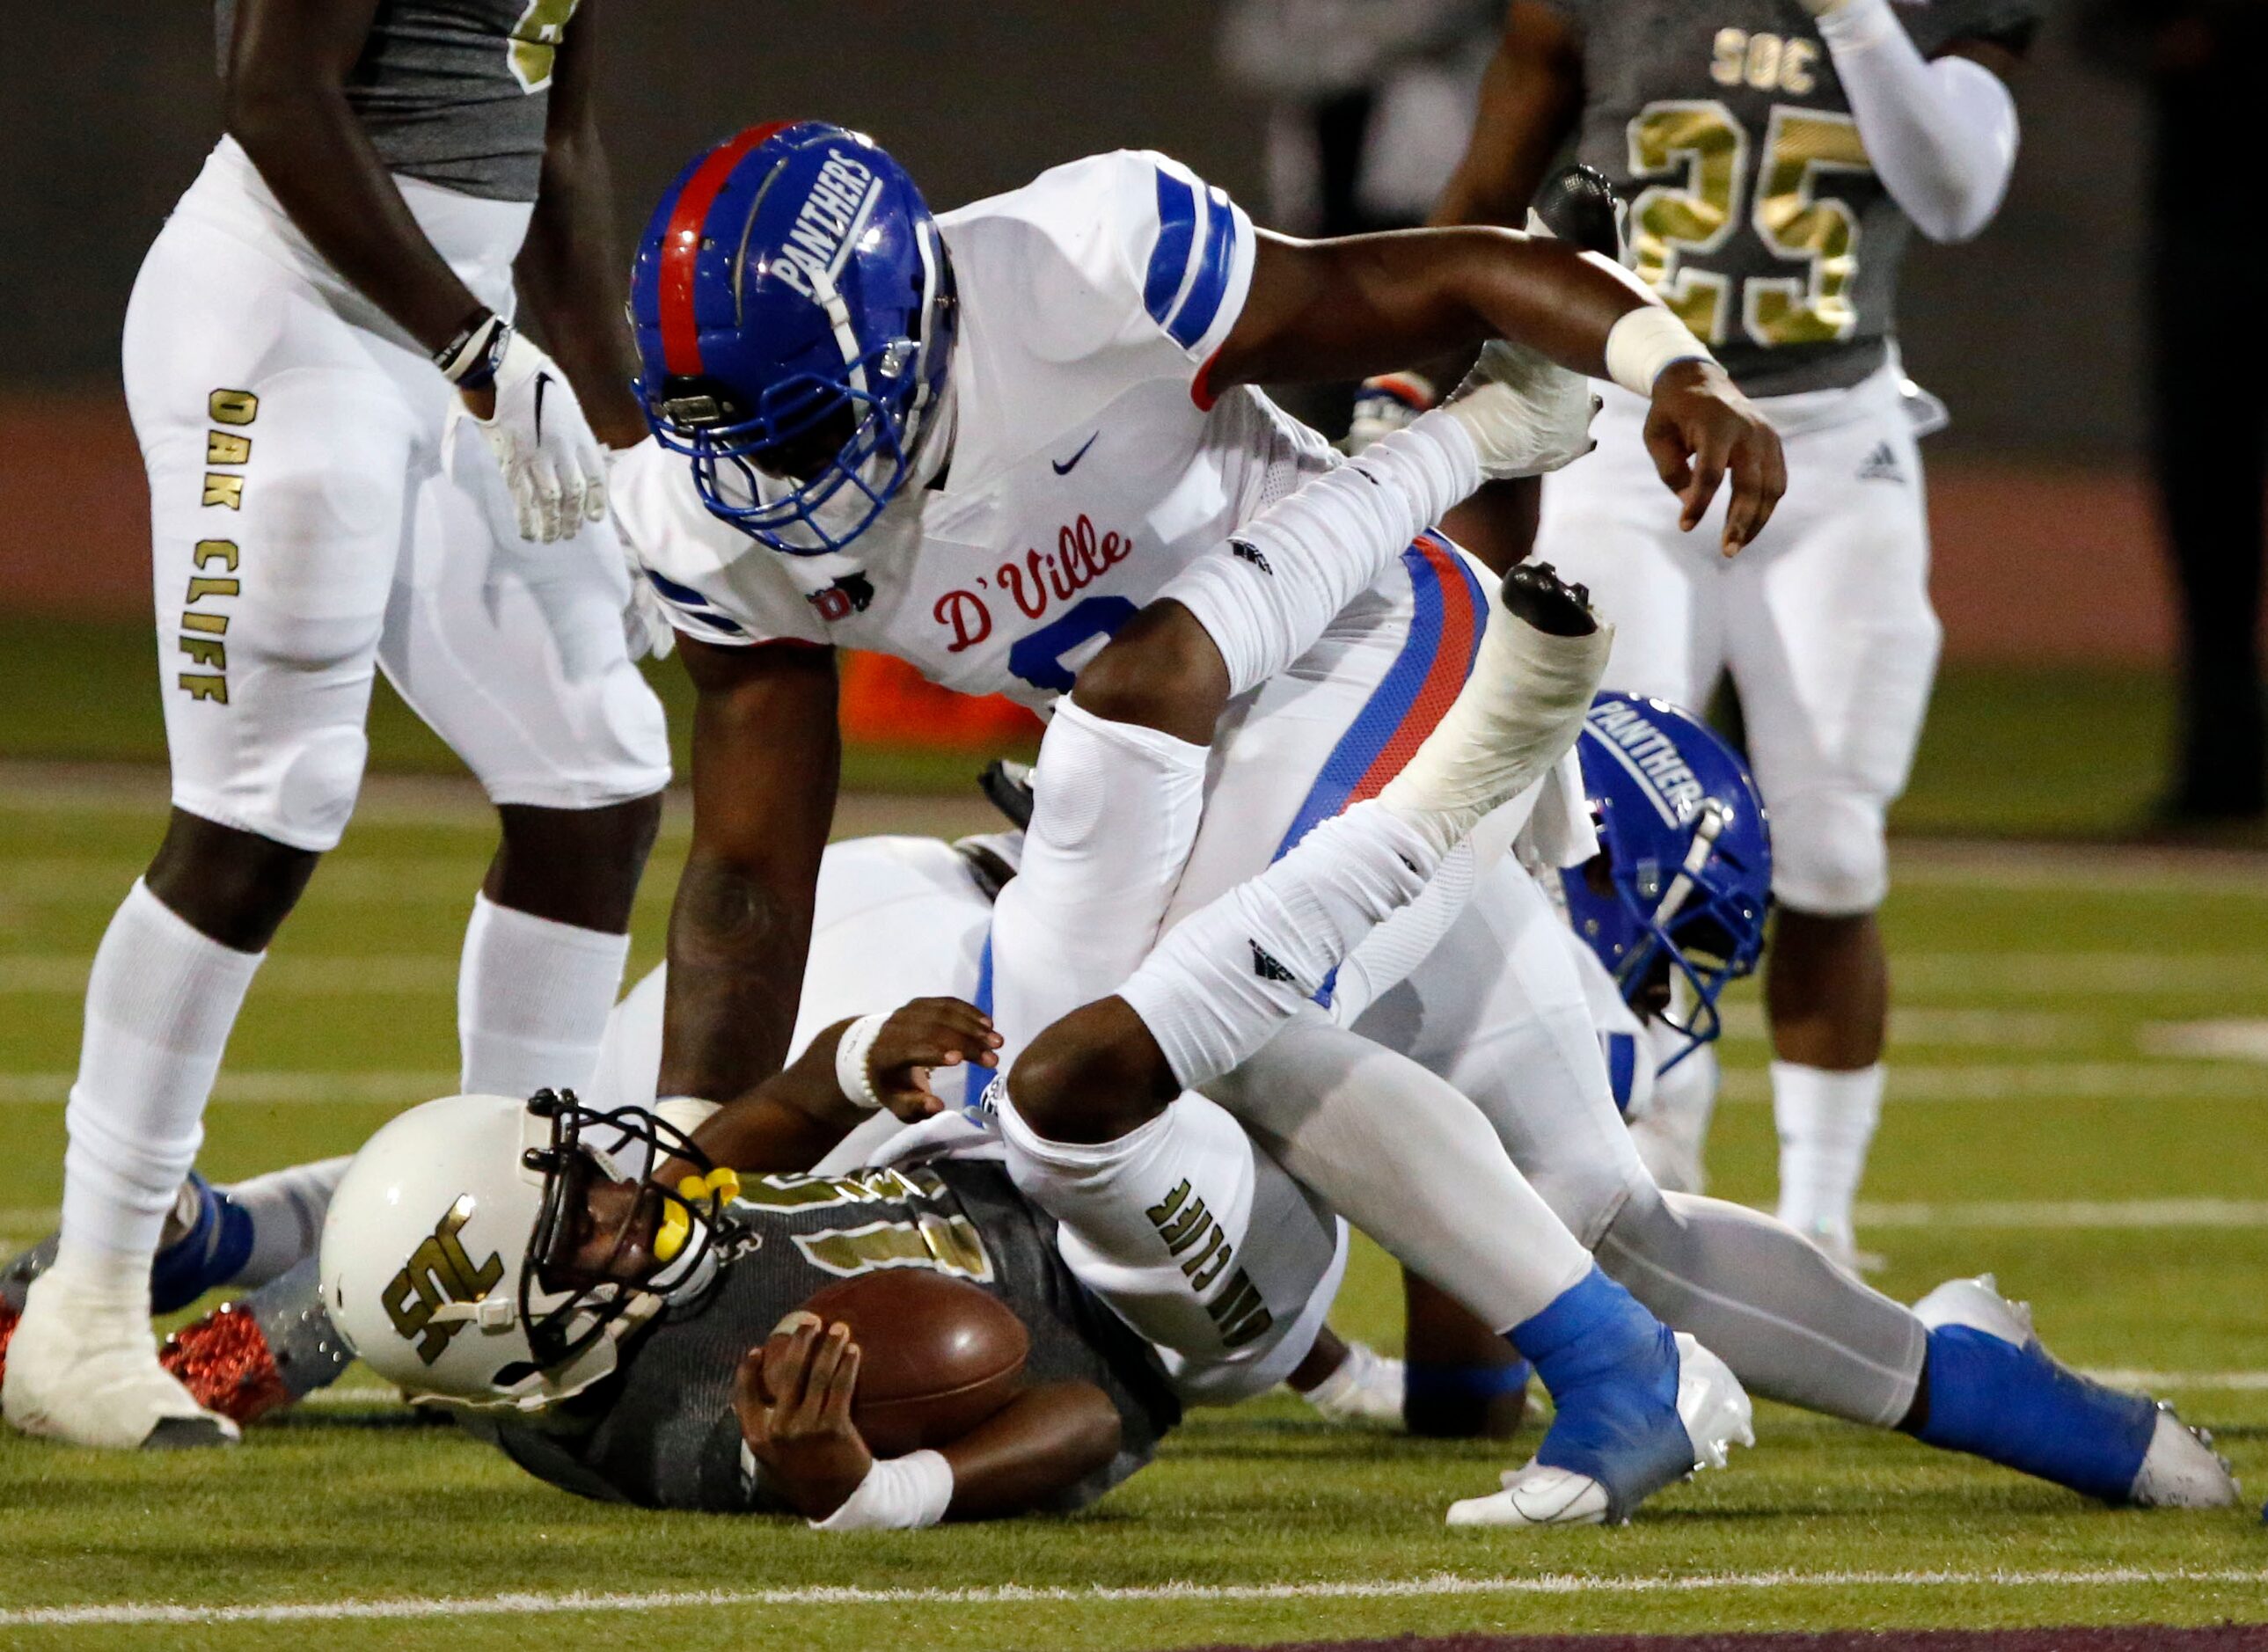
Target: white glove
[[1384, 405], [1526, 415], [551, 462]]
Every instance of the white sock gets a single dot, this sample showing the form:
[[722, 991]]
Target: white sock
[[1826, 1123], [1116, 810], [160, 1002], [287, 1207], [1266, 595], [532, 997], [1231, 973]]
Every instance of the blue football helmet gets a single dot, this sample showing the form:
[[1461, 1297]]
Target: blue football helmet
[[1682, 880], [794, 315]]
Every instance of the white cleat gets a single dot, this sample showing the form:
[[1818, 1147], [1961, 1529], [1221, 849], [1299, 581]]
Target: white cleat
[[1364, 1391], [88, 1376], [1978, 1304], [1711, 1404], [2180, 1470], [1526, 415]]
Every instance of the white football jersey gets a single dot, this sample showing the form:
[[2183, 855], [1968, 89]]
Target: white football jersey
[[1087, 463]]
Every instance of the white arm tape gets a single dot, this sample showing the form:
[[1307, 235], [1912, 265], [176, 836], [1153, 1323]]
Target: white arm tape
[[1645, 341], [688, 1113], [900, 1494], [1942, 135], [852, 1075]]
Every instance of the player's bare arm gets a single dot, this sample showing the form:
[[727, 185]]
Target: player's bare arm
[[286, 105], [793, 1119], [1531, 96], [794, 1397], [288, 62], [766, 758], [1350, 307], [570, 269]]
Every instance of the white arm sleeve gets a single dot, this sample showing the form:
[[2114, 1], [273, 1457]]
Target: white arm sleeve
[[1942, 134]]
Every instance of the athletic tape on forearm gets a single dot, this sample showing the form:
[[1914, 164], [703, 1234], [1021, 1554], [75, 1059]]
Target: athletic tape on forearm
[[1221, 985], [1266, 595], [900, 1494], [688, 1113], [1539, 688], [1645, 341], [1942, 135], [852, 1075]]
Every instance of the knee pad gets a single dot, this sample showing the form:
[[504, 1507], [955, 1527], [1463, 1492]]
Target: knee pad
[[1829, 853]]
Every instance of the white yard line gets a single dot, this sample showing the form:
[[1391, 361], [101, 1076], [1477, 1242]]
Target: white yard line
[[378, 974], [1912, 1082], [2080, 973], [1978, 1029], [2122, 1213], [263, 1088], [1440, 1585], [395, 880], [1948, 863]]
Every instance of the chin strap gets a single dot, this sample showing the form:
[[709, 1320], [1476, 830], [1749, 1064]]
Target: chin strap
[[721, 1186]]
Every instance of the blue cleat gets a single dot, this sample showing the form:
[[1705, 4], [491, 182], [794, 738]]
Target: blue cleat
[[209, 1255], [1995, 1392], [1638, 1408]]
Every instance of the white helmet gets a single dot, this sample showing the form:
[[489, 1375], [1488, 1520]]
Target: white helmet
[[440, 1252]]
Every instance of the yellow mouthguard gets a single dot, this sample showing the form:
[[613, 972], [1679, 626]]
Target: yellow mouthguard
[[677, 1221]]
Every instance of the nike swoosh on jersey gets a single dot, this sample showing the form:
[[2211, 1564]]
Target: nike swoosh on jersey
[[1063, 465]]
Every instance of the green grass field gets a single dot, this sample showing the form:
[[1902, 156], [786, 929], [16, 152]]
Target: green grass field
[[2043, 1124]]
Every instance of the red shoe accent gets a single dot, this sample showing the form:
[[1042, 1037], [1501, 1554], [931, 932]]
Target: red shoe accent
[[8, 1318], [224, 1360]]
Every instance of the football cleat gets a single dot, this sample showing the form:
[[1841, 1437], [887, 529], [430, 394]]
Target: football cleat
[[1996, 1391], [87, 1374], [1364, 1391], [214, 1244], [1716, 1415], [1579, 205]]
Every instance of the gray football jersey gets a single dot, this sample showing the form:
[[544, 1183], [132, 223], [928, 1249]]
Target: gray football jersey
[[661, 1432], [1754, 211], [454, 92]]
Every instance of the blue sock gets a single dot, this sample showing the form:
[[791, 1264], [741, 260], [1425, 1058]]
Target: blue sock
[[1612, 1371], [1451, 1401], [2018, 1407], [212, 1253]]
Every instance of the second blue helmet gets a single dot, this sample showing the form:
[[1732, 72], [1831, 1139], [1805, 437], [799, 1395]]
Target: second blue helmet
[[1683, 882]]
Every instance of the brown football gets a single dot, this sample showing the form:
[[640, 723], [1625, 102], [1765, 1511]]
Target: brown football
[[936, 1356]]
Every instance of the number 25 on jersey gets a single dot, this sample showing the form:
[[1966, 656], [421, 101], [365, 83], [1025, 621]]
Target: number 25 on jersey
[[1701, 149]]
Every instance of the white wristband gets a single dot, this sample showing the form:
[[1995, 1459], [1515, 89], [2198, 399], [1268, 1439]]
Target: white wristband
[[852, 1076], [688, 1113], [1643, 342], [900, 1494]]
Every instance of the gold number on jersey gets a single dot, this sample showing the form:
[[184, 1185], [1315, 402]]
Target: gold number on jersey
[[1703, 149], [1705, 152], [944, 1244], [1798, 224], [535, 41]]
